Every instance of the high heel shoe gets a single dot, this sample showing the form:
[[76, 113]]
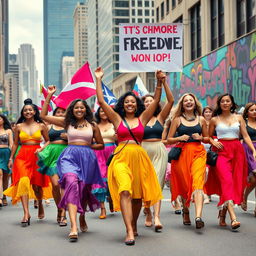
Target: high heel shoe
[[199, 223], [130, 242], [103, 214], [73, 236], [222, 217], [186, 221], [25, 223], [235, 224]]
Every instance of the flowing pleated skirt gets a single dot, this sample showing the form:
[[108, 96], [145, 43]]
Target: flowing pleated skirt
[[131, 170], [4, 159], [25, 175], [188, 172], [250, 159]]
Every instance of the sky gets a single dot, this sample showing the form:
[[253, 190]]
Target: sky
[[26, 26]]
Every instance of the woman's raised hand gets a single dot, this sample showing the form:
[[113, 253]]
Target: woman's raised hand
[[99, 72], [51, 89], [160, 75]]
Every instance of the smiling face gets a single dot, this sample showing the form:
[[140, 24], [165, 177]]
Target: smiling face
[[102, 114], [79, 110], [252, 111], [226, 103], [148, 100], [188, 103], [60, 112], [1, 121], [130, 104], [28, 112], [208, 114]]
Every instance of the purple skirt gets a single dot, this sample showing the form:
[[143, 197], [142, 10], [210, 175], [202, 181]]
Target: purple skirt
[[78, 169], [250, 158]]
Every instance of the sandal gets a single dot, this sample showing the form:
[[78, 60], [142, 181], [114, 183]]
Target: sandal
[[186, 220], [222, 217], [103, 214], [63, 221], [199, 223], [244, 205], [235, 224], [73, 236]]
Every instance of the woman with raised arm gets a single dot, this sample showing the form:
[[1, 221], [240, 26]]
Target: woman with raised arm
[[131, 175], [77, 165], [188, 172], [48, 161], [249, 116], [26, 181], [152, 143], [6, 141], [231, 166]]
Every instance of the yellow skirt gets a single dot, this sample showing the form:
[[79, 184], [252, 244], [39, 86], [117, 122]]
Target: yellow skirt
[[131, 170]]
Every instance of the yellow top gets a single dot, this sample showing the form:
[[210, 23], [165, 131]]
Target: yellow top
[[36, 136]]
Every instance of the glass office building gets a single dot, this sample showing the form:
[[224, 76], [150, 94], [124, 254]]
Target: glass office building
[[58, 37]]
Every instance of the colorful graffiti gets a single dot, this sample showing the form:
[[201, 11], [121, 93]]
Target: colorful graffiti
[[230, 69]]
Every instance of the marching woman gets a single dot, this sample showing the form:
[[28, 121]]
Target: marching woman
[[152, 143], [131, 175], [6, 141], [26, 181], [188, 172], [48, 160], [231, 166], [108, 134], [249, 116], [77, 165]]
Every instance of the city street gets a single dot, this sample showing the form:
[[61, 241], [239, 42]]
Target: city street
[[105, 237]]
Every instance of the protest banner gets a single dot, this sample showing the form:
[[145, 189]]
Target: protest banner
[[147, 47]]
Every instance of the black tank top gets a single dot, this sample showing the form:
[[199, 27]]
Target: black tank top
[[251, 132], [189, 130], [153, 132], [55, 134]]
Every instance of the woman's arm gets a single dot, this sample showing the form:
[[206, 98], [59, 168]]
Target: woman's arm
[[97, 138], [15, 145], [168, 106], [245, 135], [173, 140], [212, 126], [111, 114], [59, 121], [44, 132], [149, 112], [10, 136]]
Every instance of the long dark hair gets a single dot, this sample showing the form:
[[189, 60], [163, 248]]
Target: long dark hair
[[36, 116], [119, 107], [6, 124], [70, 119], [97, 115], [218, 109], [158, 109]]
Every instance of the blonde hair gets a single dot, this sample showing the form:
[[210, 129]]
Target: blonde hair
[[178, 111]]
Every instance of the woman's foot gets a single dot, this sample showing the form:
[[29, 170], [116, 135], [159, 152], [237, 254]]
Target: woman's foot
[[35, 204], [103, 214], [73, 236], [158, 225], [129, 240], [110, 202], [185, 216], [199, 223], [25, 221], [244, 205], [83, 224], [40, 210], [148, 221], [5, 203], [222, 217], [235, 224]]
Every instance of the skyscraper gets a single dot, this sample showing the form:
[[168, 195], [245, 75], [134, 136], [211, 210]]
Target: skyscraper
[[58, 37]]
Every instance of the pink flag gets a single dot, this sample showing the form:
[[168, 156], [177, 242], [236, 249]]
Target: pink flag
[[43, 95], [81, 86]]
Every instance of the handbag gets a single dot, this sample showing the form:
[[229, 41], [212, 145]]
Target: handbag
[[174, 154], [211, 158], [113, 154]]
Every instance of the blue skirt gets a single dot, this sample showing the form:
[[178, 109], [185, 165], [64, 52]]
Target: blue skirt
[[4, 159]]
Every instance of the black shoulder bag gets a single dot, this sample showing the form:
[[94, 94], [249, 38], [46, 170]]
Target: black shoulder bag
[[211, 158]]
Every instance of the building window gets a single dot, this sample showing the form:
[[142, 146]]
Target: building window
[[162, 10], [139, 3], [179, 20], [246, 16], [157, 14], [146, 12], [173, 4], [147, 21], [133, 3], [133, 12], [167, 6], [121, 3], [139, 12], [217, 24], [195, 16], [133, 20], [146, 3], [140, 20], [152, 3]]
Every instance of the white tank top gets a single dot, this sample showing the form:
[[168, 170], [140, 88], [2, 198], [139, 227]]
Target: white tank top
[[225, 131]]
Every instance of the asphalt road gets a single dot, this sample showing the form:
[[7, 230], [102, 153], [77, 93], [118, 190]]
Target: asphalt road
[[105, 237]]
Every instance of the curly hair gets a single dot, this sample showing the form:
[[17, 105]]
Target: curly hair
[[35, 108], [119, 107], [70, 118], [179, 110], [246, 109], [158, 109], [217, 111], [6, 124]]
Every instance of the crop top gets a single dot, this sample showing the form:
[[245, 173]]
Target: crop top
[[4, 139], [189, 130], [225, 131], [24, 137], [153, 132], [80, 135], [108, 135], [123, 133], [251, 132], [55, 134]]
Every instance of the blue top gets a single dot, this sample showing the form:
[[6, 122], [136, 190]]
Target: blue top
[[153, 132], [55, 134], [189, 130], [251, 132]]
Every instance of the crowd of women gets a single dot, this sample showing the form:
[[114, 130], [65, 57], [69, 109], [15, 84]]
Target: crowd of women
[[120, 156]]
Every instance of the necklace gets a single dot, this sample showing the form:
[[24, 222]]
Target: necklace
[[189, 119], [82, 125]]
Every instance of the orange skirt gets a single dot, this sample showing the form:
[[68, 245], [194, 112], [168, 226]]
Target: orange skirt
[[188, 173], [25, 174]]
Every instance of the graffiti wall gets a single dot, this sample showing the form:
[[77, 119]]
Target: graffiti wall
[[230, 69]]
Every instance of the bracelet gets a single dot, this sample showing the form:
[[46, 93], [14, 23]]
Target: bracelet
[[159, 87], [10, 159]]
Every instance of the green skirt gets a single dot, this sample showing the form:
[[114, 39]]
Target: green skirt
[[4, 159], [48, 159]]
